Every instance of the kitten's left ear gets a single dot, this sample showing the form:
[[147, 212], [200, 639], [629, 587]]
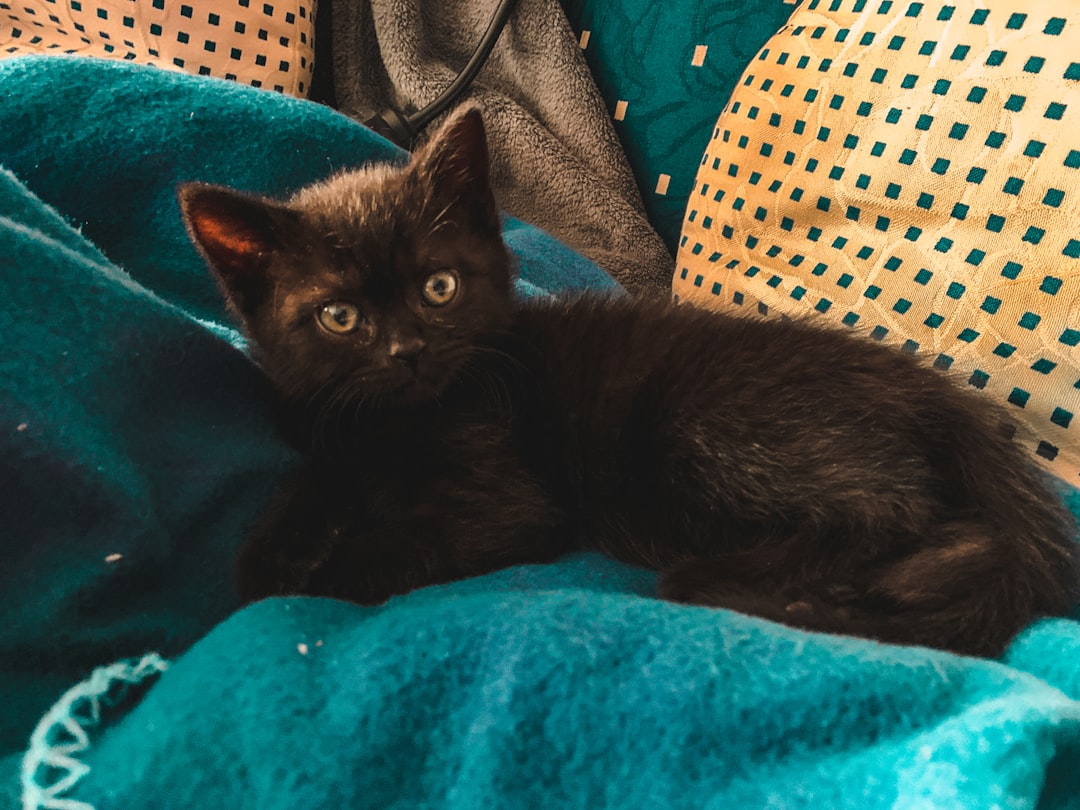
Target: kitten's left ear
[[238, 234], [455, 162]]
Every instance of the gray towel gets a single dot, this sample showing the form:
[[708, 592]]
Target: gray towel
[[556, 160]]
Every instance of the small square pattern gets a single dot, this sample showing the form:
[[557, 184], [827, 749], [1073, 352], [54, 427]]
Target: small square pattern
[[944, 212], [207, 40]]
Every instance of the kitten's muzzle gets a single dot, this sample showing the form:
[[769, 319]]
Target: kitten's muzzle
[[406, 350]]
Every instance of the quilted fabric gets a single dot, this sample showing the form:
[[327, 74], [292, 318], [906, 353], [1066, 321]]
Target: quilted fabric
[[265, 43], [909, 168]]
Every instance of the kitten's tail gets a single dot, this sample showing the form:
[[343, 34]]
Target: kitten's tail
[[1003, 553]]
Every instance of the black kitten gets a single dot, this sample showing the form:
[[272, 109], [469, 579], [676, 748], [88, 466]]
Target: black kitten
[[778, 468]]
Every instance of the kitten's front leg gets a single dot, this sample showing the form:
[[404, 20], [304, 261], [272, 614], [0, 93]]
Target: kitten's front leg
[[332, 534], [318, 538], [294, 538]]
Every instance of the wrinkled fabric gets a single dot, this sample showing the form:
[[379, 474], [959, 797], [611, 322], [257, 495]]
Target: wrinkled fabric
[[556, 160]]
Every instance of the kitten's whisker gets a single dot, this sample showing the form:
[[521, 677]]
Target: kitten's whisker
[[311, 413], [438, 223], [494, 389], [313, 399], [328, 427]]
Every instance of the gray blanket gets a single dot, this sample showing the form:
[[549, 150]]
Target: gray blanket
[[556, 160]]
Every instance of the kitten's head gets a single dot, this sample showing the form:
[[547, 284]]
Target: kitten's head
[[374, 285]]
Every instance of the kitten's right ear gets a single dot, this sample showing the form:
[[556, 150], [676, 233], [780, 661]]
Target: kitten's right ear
[[237, 233], [455, 166]]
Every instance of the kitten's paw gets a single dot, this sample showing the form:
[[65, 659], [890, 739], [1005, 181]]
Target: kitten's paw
[[798, 609]]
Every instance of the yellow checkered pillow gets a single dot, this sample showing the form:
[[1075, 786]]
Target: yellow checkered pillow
[[264, 43], [911, 169]]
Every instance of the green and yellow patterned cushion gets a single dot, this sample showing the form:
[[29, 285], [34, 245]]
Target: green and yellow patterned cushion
[[264, 43], [911, 169]]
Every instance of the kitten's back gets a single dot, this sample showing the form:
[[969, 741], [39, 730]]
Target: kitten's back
[[690, 435]]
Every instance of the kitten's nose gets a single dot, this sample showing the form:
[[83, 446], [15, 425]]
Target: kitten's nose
[[406, 349]]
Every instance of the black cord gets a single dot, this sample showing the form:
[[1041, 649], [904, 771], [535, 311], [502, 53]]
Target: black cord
[[403, 129]]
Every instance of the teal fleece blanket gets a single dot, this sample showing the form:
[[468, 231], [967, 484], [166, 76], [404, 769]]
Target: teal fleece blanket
[[137, 446]]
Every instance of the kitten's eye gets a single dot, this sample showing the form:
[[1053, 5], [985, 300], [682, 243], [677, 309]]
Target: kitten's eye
[[440, 288], [340, 318]]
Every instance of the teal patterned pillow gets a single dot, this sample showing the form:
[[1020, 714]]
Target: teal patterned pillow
[[664, 69]]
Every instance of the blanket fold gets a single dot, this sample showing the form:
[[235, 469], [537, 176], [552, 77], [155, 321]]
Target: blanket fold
[[568, 686]]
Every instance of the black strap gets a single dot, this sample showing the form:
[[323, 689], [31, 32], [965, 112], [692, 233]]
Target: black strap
[[402, 128]]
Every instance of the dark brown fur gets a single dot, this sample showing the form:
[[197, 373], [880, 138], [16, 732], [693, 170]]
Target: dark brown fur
[[779, 468]]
